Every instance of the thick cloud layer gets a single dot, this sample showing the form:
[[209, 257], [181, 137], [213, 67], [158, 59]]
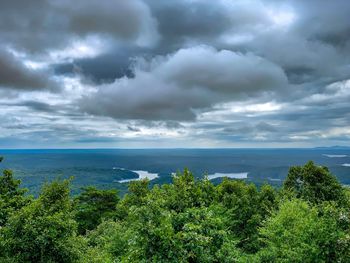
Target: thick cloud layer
[[140, 73], [14, 74], [175, 86], [41, 25]]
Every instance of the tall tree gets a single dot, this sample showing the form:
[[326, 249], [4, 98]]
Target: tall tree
[[12, 196], [93, 205], [314, 183]]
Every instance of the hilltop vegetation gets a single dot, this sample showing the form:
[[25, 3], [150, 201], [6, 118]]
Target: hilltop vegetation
[[308, 220]]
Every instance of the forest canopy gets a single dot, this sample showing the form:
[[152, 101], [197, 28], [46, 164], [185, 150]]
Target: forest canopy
[[189, 220]]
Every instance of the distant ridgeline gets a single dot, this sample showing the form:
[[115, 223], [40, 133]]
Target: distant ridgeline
[[188, 220]]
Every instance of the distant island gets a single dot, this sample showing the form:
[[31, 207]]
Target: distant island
[[336, 147]]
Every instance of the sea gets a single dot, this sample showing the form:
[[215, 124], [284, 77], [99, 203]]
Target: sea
[[115, 168]]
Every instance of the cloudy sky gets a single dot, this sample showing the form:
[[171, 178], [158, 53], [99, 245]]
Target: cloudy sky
[[175, 73]]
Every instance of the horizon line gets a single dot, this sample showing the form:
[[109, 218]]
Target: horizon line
[[176, 148]]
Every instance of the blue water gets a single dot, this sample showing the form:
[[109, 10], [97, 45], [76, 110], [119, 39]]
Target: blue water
[[95, 167]]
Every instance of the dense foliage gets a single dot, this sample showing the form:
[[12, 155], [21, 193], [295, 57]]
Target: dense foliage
[[190, 220]]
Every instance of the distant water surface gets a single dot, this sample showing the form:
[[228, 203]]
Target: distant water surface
[[114, 168]]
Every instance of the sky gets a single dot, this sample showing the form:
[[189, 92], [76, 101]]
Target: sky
[[175, 73]]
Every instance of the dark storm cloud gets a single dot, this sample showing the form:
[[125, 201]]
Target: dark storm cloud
[[43, 107], [303, 50], [173, 87], [177, 22], [23, 24], [315, 46], [181, 20], [123, 18], [42, 25], [36, 106], [105, 67], [180, 24], [302, 59], [14, 74], [327, 21]]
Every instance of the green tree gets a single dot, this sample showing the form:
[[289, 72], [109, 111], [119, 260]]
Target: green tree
[[243, 217], [111, 239], [186, 192], [205, 237], [43, 231], [136, 196], [313, 183], [92, 206], [298, 233], [267, 201], [11, 196]]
